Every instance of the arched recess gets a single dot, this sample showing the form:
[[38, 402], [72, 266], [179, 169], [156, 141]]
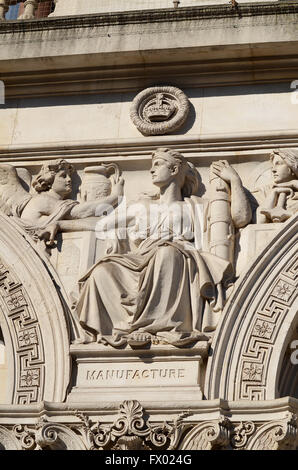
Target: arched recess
[[257, 325], [33, 321]]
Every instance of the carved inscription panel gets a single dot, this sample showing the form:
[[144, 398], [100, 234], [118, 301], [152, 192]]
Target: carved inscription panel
[[138, 374]]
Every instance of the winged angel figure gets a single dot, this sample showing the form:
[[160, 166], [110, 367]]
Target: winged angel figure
[[41, 211]]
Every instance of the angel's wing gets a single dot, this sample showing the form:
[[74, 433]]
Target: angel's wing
[[13, 196]]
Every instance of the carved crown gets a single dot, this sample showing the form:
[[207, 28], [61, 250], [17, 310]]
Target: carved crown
[[158, 109]]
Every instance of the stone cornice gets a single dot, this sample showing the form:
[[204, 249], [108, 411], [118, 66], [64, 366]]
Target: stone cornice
[[262, 409], [255, 43], [198, 46], [152, 16], [130, 151]]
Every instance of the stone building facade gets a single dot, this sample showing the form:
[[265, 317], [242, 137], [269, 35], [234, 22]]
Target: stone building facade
[[148, 242]]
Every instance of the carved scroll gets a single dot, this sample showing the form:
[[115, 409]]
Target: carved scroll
[[210, 435], [277, 435], [131, 431]]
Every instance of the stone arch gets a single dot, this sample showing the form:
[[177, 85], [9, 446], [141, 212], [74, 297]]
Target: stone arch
[[258, 322], [32, 319]]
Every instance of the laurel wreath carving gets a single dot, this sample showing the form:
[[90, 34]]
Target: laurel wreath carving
[[178, 101]]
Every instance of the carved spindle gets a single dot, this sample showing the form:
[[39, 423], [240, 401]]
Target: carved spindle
[[30, 7], [3, 9]]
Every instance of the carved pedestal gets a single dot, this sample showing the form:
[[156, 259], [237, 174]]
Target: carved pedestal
[[162, 373]]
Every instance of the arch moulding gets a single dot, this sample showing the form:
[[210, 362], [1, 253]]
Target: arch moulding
[[33, 321]]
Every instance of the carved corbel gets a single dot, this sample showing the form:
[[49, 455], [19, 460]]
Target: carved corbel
[[277, 435], [210, 435], [58, 437], [30, 7], [3, 9], [47, 435], [8, 440]]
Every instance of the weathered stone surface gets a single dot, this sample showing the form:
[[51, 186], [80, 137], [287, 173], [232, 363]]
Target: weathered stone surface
[[180, 331]]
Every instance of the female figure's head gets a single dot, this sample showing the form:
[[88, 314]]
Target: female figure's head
[[170, 166], [56, 176], [284, 165]]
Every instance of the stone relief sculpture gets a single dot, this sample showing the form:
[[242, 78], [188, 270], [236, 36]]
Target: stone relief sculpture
[[42, 211], [279, 200], [166, 288], [169, 276], [159, 110]]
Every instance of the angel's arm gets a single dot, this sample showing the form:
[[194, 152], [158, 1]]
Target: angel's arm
[[99, 208]]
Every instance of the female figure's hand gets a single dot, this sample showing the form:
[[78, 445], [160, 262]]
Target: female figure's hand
[[223, 170], [281, 187]]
